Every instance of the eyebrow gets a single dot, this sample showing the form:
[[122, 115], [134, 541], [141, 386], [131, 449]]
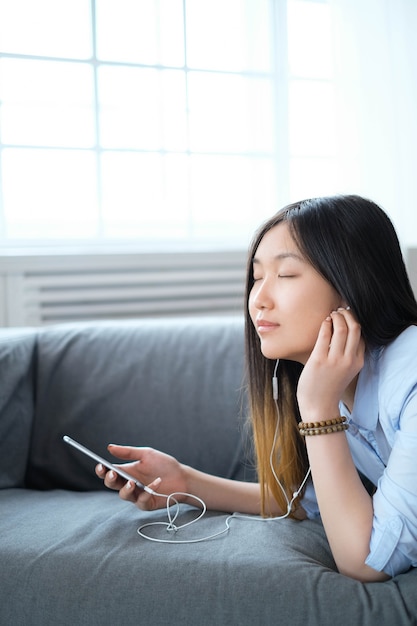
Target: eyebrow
[[281, 256]]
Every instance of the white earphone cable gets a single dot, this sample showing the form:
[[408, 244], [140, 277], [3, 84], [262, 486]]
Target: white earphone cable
[[172, 527]]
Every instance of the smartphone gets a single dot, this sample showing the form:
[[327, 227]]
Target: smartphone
[[107, 464]]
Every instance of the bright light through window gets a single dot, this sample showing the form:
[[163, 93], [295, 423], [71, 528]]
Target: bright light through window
[[311, 100], [62, 182], [46, 103], [53, 28], [148, 32], [158, 120]]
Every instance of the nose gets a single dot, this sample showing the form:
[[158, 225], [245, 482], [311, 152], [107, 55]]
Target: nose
[[261, 295]]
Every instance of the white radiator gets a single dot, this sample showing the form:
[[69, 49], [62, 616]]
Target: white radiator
[[44, 289]]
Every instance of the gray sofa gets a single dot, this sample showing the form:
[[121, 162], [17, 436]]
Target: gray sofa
[[69, 550]]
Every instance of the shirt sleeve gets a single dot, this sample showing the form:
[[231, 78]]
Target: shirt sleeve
[[393, 546], [309, 501]]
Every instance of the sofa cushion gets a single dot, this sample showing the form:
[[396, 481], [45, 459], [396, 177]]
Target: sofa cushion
[[76, 558], [16, 403], [173, 384]]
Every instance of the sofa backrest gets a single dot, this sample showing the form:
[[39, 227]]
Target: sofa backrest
[[174, 384]]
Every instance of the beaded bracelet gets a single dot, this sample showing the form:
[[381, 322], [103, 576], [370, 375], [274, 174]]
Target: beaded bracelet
[[325, 430], [335, 420]]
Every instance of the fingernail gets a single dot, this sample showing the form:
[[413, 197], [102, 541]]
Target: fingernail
[[129, 484], [100, 467], [112, 475]]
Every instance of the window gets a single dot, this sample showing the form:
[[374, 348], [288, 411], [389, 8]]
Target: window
[[163, 122], [311, 100]]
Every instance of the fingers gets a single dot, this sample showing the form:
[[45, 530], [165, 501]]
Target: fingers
[[143, 465], [346, 335], [325, 335], [339, 335], [128, 490], [324, 339], [144, 499], [336, 359], [127, 453], [354, 340], [110, 478]]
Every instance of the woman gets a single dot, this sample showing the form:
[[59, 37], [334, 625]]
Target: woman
[[331, 342]]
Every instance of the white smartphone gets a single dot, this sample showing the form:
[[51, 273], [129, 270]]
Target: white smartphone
[[104, 462]]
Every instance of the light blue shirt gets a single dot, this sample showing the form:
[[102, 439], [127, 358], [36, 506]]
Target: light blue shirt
[[382, 437]]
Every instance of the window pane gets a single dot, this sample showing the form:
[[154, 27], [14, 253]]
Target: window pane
[[49, 193], [311, 118], [150, 32], [142, 108], [46, 28], [145, 195], [232, 35], [314, 177], [230, 196], [46, 103], [310, 53], [230, 113]]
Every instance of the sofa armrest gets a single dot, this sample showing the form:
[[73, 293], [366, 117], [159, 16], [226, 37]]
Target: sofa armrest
[[17, 349]]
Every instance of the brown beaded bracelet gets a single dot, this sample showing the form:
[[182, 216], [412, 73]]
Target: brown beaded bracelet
[[325, 430], [331, 422]]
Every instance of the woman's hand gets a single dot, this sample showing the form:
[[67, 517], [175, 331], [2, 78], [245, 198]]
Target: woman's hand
[[159, 471], [335, 361]]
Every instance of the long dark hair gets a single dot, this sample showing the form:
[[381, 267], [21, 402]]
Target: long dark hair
[[352, 243]]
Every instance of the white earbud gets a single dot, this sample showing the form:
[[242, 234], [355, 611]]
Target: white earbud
[[275, 382]]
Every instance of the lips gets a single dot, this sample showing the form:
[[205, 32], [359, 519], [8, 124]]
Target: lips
[[264, 326]]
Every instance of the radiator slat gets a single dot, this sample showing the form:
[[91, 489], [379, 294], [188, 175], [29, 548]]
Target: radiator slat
[[157, 292], [46, 290], [112, 278], [127, 309]]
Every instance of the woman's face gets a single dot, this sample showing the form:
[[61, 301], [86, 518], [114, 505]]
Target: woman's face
[[289, 299]]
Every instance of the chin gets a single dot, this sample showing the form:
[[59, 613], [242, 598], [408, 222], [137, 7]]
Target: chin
[[269, 353]]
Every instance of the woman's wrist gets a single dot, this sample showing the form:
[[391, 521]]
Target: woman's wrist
[[188, 487], [319, 414]]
